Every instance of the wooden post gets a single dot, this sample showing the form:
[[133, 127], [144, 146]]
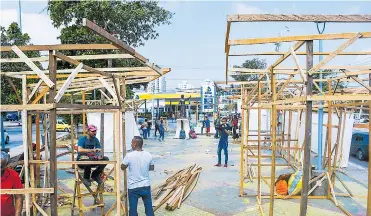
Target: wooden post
[[247, 129], [289, 138], [308, 133], [242, 141], [117, 133], [274, 138], [73, 140], [329, 145], [83, 114], [259, 142], [123, 94], [369, 153], [25, 142], [53, 137], [37, 169], [30, 154], [337, 144]]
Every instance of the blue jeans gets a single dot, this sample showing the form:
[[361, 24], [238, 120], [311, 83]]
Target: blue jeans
[[148, 132], [144, 133], [223, 145], [145, 194], [162, 134]]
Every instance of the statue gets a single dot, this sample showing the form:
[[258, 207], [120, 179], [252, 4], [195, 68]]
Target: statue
[[182, 101]]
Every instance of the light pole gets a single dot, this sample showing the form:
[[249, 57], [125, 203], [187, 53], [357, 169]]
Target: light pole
[[320, 110]]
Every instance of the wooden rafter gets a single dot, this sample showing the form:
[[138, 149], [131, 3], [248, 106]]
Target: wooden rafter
[[298, 18]]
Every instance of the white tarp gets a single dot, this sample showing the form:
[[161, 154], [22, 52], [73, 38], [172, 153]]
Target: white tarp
[[131, 128], [299, 133]]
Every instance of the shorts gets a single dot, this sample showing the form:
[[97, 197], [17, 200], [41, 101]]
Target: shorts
[[208, 130]]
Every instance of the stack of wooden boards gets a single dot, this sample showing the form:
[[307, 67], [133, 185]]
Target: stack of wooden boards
[[176, 188]]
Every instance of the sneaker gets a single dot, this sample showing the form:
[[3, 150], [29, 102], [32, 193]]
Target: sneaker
[[98, 180], [225, 165], [218, 165], [86, 182]]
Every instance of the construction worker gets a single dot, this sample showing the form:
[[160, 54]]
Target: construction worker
[[89, 149], [9, 179], [139, 185], [223, 143]]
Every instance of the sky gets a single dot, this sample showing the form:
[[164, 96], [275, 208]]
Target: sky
[[193, 44]]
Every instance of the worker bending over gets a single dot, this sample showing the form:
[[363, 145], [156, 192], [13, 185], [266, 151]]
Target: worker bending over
[[139, 185], [89, 149]]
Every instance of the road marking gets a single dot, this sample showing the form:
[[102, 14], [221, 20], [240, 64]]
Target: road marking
[[357, 166]]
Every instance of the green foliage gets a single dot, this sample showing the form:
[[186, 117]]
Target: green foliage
[[133, 22], [255, 63], [327, 74], [9, 37]]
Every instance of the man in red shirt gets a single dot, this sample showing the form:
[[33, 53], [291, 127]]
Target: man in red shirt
[[9, 179]]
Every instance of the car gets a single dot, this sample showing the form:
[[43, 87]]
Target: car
[[6, 135], [12, 116], [62, 126], [359, 145]]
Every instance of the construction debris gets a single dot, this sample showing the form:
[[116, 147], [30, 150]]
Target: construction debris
[[176, 188]]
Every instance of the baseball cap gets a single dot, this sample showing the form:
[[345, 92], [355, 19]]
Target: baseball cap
[[92, 127]]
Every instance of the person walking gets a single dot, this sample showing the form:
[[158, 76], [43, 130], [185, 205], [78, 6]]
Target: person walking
[[223, 143], [139, 163], [217, 126], [90, 149], [157, 126], [162, 131], [203, 125], [173, 117], [207, 124], [144, 129], [235, 127], [149, 126], [9, 179]]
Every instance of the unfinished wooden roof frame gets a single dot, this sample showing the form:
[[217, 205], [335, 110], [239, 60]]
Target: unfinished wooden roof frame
[[294, 93], [52, 85]]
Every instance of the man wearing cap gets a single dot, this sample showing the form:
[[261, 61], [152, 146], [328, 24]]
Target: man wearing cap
[[9, 179], [89, 149]]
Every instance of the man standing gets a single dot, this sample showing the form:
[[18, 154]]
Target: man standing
[[144, 129], [149, 126], [223, 142], [89, 149], [139, 185], [157, 126], [162, 131], [217, 126], [9, 179], [207, 124], [203, 125]]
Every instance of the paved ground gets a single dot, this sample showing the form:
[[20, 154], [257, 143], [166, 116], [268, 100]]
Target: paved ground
[[216, 192]]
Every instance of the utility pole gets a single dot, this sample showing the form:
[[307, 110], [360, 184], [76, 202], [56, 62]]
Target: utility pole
[[320, 110], [20, 15]]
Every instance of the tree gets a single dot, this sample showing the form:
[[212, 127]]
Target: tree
[[9, 37], [255, 63], [133, 22]]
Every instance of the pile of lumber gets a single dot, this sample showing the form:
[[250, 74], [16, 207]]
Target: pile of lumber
[[176, 188]]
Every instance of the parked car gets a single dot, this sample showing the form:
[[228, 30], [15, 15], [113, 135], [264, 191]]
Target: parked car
[[360, 145], [6, 135], [62, 126], [12, 116]]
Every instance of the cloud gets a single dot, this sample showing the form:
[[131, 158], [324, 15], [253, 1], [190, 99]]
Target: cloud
[[243, 8], [38, 26]]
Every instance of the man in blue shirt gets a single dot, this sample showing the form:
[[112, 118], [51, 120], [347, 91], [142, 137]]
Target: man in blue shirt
[[89, 149], [223, 143], [207, 124]]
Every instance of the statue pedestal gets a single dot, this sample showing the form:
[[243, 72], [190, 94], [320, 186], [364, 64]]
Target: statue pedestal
[[179, 127]]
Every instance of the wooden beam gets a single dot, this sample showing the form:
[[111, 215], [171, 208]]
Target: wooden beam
[[61, 47], [308, 137], [67, 83], [34, 90], [296, 60], [28, 107], [14, 89], [81, 57], [285, 56], [297, 53], [338, 97], [334, 54], [32, 66], [284, 86], [361, 82], [26, 191], [296, 38], [298, 18], [44, 91]]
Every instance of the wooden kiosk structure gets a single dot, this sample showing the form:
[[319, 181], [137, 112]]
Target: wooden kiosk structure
[[43, 97], [295, 90]]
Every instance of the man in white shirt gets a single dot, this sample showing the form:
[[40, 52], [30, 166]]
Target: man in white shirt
[[139, 185]]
